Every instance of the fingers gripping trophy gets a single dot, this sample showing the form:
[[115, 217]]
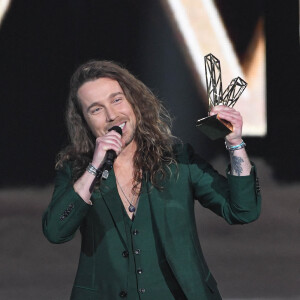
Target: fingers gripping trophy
[[213, 126]]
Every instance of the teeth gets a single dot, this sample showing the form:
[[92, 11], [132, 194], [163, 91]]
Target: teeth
[[122, 125]]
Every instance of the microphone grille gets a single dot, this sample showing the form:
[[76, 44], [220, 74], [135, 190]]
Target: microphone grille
[[117, 129]]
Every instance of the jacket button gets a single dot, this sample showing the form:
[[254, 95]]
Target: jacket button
[[139, 271], [142, 291], [135, 232], [137, 251], [123, 294], [125, 253]]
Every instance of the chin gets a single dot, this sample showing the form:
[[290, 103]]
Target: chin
[[129, 140]]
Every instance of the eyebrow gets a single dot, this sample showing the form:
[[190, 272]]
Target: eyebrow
[[112, 95], [115, 94]]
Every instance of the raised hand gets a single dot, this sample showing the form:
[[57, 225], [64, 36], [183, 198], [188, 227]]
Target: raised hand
[[234, 117]]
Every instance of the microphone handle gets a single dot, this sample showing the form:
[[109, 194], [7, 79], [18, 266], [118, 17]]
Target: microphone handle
[[110, 156]]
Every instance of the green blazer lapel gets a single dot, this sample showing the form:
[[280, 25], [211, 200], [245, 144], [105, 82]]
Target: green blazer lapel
[[110, 195]]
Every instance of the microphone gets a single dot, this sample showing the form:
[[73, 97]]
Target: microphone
[[110, 155]]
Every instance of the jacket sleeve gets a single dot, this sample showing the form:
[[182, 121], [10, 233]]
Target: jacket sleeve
[[66, 210], [236, 198]]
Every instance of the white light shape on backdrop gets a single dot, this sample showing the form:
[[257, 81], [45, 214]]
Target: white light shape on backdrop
[[4, 4], [199, 25]]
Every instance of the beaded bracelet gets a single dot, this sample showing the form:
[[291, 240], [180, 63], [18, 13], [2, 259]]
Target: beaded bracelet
[[237, 147]]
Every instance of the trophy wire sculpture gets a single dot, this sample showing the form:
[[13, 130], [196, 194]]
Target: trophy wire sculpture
[[213, 126]]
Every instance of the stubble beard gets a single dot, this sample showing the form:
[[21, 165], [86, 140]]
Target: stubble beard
[[130, 138]]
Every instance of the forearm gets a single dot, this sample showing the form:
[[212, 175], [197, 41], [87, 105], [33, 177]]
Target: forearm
[[84, 186], [235, 198], [240, 163], [64, 214]]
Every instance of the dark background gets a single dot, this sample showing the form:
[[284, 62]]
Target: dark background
[[41, 44]]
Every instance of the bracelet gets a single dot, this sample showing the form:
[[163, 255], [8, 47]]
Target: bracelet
[[91, 169], [237, 147]]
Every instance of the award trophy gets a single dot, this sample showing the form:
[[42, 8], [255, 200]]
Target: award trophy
[[213, 126]]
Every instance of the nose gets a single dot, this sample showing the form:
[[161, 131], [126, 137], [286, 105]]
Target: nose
[[111, 114]]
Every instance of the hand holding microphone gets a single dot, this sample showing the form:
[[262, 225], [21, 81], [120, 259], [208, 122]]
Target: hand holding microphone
[[103, 159], [110, 155]]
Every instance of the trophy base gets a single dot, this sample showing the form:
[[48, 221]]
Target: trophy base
[[214, 127]]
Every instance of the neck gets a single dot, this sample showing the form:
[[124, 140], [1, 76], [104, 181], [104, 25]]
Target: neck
[[125, 158], [124, 168]]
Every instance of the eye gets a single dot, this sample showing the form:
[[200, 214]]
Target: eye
[[117, 100], [95, 110]]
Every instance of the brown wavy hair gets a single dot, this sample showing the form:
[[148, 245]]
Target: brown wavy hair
[[153, 135]]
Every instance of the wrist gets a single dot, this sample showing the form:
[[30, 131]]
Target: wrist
[[233, 142], [233, 148], [93, 170], [96, 163]]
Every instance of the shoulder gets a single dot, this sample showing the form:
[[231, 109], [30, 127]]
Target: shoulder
[[183, 151], [185, 154], [64, 171], [65, 166]]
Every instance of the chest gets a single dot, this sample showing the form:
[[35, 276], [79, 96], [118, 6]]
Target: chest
[[129, 194]]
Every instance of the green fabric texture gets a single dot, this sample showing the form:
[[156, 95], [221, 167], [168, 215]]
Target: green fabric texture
[[146, 256], [103, 271]]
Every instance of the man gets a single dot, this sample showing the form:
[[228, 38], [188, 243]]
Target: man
[[139, 238]]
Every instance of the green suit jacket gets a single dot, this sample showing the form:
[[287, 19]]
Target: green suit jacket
[[102, 271]]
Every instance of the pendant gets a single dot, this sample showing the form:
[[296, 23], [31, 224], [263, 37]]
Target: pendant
[[131, 208]]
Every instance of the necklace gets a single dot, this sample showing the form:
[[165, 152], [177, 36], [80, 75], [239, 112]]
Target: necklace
[[131, 207]]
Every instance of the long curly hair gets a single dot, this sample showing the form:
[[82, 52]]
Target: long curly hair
[[153, 136]]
